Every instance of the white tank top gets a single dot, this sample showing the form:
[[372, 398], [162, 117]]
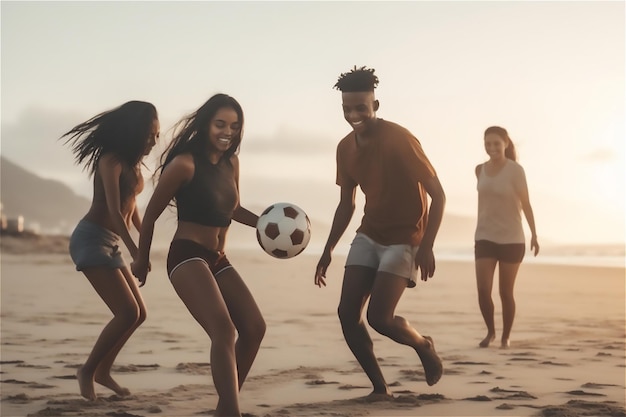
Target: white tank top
[[499, 206]]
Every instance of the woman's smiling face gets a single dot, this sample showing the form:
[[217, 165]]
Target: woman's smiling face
[[223, 129], [495, 146]]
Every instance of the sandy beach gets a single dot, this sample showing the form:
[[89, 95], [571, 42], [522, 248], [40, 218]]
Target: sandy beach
[[567, 356]]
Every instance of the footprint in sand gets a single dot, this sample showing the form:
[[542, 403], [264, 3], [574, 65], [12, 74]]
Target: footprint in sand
[[597, 386], [471, 363], [135, 368], [512, 394], [584, 408], [478, 398], [523, 360], [320, 382], [195, 368], [351, 387], [582, 393], [555, 363]]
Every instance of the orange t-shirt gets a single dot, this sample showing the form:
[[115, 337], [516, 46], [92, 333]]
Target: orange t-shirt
[[389, 171]]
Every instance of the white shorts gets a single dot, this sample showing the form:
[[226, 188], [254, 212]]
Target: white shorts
[[398, 260]]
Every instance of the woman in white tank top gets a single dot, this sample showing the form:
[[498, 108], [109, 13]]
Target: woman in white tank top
[[499, 237]]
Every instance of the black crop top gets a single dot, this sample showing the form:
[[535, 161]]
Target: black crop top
[[210, 198]]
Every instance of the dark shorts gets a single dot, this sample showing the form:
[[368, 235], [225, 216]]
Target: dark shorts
[[511, 253], [184, 250], [92, 245]]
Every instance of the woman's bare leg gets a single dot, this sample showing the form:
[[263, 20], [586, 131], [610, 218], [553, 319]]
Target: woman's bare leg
[[508, 273], [485, 268], [111, 286], [198, 289], [381, 315], [103, 372], [247, 318]]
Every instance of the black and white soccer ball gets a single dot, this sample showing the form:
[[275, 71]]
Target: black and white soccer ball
[[283, 230]]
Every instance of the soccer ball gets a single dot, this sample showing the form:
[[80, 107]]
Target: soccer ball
[[283, 230]]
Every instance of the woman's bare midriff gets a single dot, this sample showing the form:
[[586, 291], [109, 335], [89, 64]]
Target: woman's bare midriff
[[99, 211], [99, 214], [210, 237]]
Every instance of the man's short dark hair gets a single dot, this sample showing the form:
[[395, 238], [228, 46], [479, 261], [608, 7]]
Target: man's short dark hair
[[357, 80]]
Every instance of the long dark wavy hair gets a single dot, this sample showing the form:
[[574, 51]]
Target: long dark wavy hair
[[191, 132], [510, 151], [123, 131]]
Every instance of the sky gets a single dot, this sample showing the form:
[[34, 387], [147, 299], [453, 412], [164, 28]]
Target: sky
[[551, 73]]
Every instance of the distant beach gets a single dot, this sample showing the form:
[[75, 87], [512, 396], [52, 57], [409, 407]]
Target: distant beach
[[28, 243], [589, 255], [567, 356]]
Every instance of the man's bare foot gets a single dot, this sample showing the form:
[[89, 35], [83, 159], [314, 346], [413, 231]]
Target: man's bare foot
[[109, 382], [433, 367], [487, 340], [505, 344], [85, 383]]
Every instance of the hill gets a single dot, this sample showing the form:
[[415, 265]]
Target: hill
[[49, 203]]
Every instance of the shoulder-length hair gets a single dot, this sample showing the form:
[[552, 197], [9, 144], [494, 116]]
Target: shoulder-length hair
[[123, 131]]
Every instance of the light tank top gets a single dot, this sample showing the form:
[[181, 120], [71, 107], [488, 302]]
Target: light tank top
[[499, 206]]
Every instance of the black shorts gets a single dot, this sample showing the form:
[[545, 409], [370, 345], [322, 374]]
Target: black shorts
[[184, 250], [511, 253]]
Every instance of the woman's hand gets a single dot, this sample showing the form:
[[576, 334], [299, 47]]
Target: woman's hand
[[140, 270], [534, 245]]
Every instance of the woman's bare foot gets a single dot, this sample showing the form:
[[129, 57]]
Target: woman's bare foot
[[433, 367], [505, 344], [487, 340], [109, 382], [85, 384], [375, 396]]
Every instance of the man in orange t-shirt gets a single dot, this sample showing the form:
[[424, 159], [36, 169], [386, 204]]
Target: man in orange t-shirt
[[397, 232]]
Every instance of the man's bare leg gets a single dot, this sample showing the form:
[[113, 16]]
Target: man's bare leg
[[357, 284], [386, 294]]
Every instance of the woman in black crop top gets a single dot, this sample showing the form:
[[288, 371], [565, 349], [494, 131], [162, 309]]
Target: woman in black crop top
[[200, 173], [111, 146]]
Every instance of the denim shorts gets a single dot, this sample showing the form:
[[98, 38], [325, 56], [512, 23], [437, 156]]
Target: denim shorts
[[92, 245], [398, 260]]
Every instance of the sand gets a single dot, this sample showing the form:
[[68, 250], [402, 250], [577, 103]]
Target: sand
[[567, 355]]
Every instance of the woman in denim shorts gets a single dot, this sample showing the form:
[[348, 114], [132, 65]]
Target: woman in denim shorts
[[499, 237], [111, 146]]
